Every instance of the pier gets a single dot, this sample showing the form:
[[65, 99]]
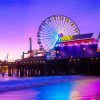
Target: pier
[[73, 66]]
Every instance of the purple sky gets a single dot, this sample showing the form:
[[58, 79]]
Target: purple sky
[[20, 19]]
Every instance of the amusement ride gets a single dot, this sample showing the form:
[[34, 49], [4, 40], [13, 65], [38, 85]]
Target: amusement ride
[[54, 29]]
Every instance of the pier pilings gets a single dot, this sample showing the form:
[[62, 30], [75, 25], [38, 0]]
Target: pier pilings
[[72, 66]]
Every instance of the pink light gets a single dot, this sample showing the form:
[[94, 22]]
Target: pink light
[[70, 44], [76, 44], [84, 49], [61, 34]]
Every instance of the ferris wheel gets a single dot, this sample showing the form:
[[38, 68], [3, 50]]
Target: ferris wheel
[[53, 28]]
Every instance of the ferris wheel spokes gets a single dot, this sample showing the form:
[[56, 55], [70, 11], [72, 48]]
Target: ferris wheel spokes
[[53, 28]]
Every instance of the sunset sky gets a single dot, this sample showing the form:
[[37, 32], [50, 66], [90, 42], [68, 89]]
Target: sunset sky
[[20, 19]]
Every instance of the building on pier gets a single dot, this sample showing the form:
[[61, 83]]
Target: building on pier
[[77, 46]]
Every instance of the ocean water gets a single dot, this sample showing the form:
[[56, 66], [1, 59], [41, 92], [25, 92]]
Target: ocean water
[[68, 88]]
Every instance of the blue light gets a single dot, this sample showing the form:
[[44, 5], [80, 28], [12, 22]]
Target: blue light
[[53, 92]]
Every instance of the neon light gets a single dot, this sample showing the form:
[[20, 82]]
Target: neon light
[[65, 40]]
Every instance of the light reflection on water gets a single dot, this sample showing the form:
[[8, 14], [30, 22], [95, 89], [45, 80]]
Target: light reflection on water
[[83, 89]]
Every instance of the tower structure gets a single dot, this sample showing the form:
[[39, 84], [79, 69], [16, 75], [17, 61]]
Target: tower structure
[[30, 47]]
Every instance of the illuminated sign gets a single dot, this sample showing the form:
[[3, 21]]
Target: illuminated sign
[[66, 38]]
